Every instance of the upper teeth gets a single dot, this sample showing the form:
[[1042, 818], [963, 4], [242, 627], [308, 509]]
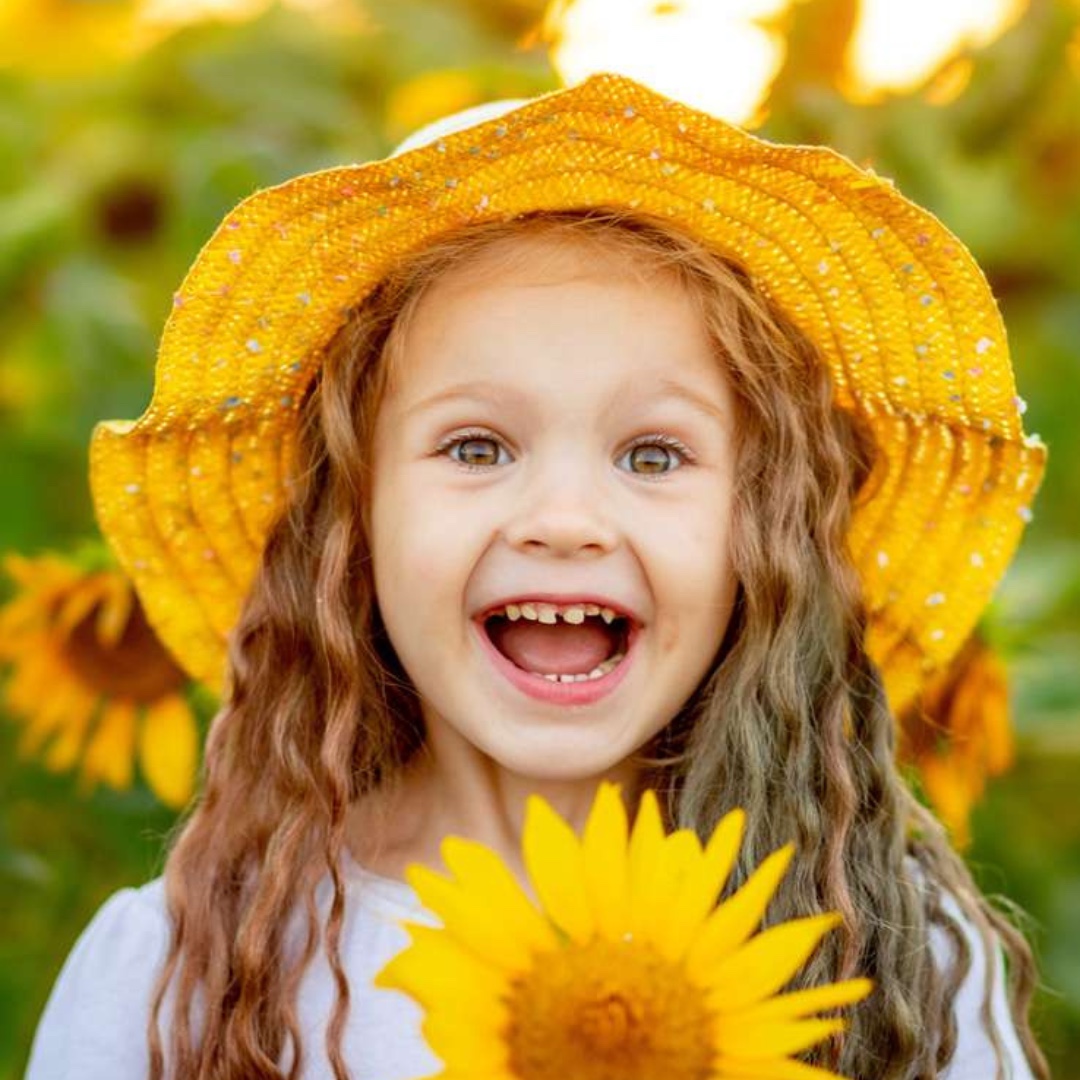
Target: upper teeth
[[551, 613]]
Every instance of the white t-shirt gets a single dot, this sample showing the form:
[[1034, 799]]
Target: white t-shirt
[[94, 1026]]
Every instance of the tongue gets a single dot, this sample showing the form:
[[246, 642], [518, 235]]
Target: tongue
[[562, 649]]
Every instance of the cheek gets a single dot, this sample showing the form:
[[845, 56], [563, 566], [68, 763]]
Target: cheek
[[695, 580], [423, 543]]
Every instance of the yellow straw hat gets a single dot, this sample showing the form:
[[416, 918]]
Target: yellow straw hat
[[900, 311]]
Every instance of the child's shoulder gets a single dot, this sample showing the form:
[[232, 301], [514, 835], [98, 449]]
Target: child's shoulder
[[138, 906], [94, 1024], [125, 928]]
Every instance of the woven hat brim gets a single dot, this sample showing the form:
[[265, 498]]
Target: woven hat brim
[[902, 314]]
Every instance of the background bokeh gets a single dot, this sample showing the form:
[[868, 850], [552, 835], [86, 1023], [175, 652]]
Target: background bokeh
[[129, 127]]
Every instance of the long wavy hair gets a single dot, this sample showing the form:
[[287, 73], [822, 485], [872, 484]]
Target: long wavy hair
[[790, 723]]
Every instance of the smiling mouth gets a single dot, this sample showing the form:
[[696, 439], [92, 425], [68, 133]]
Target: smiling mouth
[[577, 643]]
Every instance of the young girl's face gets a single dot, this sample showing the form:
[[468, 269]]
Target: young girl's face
[[559, 432]]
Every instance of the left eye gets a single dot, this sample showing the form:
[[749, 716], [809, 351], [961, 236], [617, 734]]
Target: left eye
[[654, 457]]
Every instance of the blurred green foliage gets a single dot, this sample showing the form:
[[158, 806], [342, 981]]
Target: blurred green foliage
[[112, 180]]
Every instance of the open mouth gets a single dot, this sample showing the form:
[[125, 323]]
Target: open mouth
[[561, 643]]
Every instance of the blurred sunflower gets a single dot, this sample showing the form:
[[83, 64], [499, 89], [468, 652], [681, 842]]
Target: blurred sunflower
[[66, 38], [958, 734], [90, 679], [428, 96], [627, 968]]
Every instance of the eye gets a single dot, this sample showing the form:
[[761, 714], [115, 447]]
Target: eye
[[656, 455], [474, 450]]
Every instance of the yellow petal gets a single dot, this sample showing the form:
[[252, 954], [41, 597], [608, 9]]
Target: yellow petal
[[801, 1003], [115, 613], [552, 856], [68, 710], [606, 866], [78, 603], [645, 856], [24, 615], [110, 752], [458, 1044], [766, 962], [734, 920], [772, 1038], [471, 923], [495, 890], [437, 968], [29, 690], [701, 889], [41, 693], [168, 750], [654, 894], [65, 749], [769, 1069]]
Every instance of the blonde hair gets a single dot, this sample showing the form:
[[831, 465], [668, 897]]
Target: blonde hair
[[791, 722]]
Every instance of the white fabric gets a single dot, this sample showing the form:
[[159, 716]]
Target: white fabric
[[94, 1026]]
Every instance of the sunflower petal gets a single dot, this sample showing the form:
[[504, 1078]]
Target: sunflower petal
[[773, 1068], [492, 886], [766, 962], [734, 920], [801, 1003], [49, 701], [646, 856], [110, 753], [654, 896], [451, 1040], [80, 600], [117, 605], [605, 863], [701, 888], [471, 923], [772, 1038], [168, 750], [553, 858], [63, 752], [435, 969]]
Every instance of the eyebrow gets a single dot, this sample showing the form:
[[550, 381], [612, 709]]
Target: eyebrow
[[475, 391], [673, 389], [489, 392]]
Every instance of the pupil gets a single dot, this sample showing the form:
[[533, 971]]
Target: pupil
[[652, 457]]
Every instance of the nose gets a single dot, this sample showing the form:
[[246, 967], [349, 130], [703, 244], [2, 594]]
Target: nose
[[562, 512]]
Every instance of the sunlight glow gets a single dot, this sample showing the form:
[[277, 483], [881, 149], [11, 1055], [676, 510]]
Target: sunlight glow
[[897, 47], [717, 55], [176, 13], [182, 12]]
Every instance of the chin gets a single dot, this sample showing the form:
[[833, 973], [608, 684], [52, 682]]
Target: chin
[[558, 756]]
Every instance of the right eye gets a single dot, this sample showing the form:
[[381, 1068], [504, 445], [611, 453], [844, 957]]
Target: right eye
[[474, 451]]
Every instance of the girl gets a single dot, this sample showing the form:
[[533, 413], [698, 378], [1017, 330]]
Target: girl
[[583, 438]]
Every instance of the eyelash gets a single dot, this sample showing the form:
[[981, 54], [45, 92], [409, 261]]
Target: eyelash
[[668, 441]]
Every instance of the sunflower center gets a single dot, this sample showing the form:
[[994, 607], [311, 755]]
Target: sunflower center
[[608, 1011], [137, 667]]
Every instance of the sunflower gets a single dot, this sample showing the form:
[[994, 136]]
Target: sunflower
[[622, 967], [90, 679], [68, 38], [958, 733]]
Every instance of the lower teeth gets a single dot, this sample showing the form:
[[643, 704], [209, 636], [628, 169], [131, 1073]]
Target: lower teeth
[[597, 672]]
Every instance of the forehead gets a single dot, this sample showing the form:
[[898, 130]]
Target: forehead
[[539, 300], [549, 257]]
